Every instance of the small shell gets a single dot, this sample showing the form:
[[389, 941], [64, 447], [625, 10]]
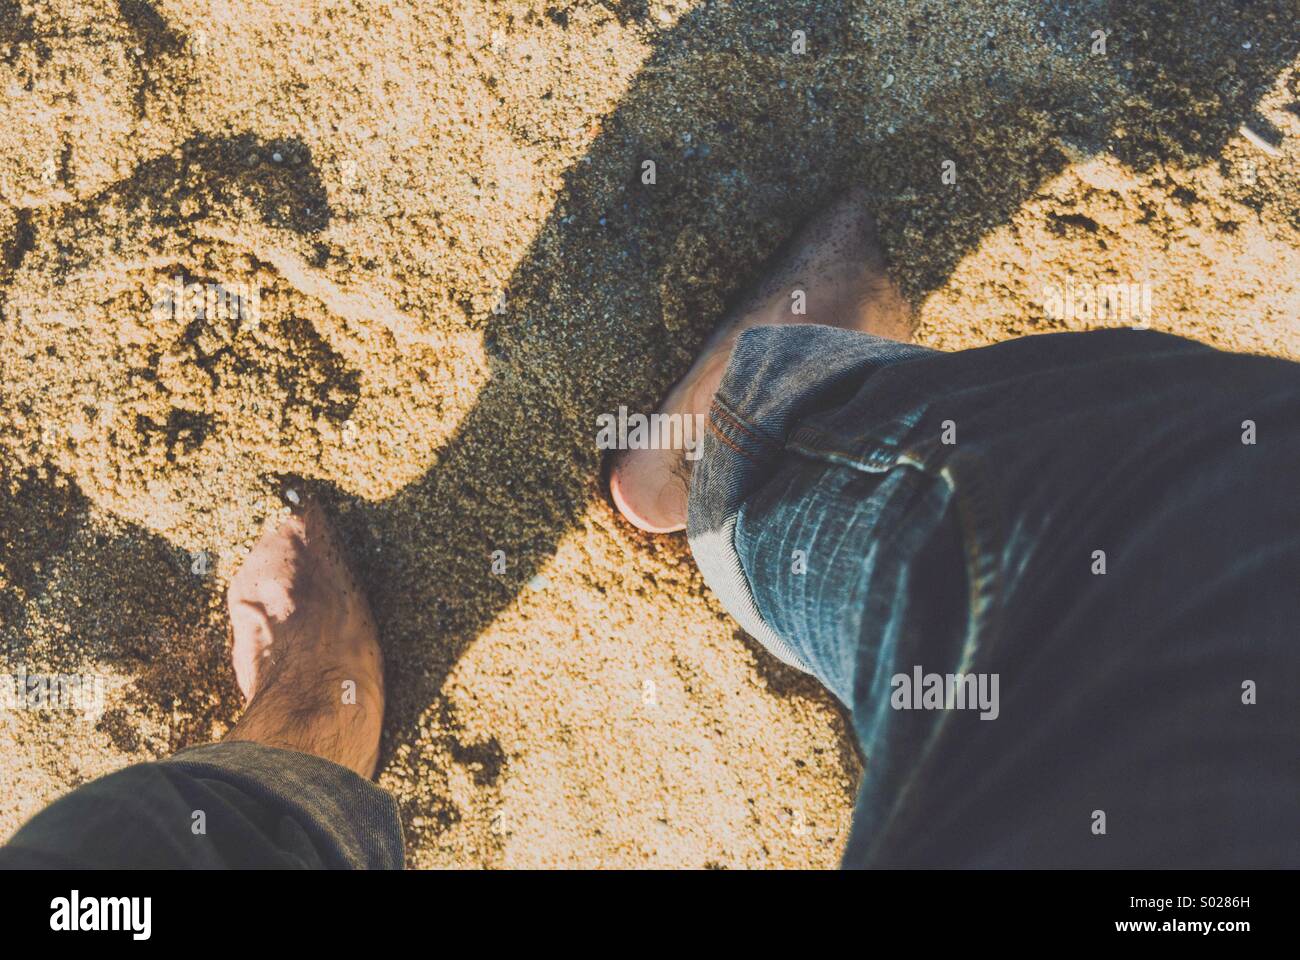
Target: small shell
[[1259, 142]]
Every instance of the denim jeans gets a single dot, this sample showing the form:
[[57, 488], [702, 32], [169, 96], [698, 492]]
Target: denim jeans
[[223, 805], [1076, 515], [1103, 528]]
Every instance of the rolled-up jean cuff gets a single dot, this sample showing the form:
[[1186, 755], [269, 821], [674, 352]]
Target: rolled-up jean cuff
[[354, 821], [777, 376]]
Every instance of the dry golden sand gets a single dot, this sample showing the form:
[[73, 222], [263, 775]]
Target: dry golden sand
[[388, 173]]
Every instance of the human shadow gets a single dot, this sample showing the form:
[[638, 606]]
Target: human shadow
[[124, 594], [80, 594], [626, 277]]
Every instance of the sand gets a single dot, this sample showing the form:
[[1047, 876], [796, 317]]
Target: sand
[[440, 209]]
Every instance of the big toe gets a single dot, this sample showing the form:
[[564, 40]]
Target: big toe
[[648, 491]]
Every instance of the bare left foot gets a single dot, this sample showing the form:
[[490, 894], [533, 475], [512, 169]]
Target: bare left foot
[[306, 648], [837, 264]]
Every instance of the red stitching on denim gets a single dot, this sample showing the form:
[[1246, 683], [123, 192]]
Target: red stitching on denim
[[727, 440], [734, 420]]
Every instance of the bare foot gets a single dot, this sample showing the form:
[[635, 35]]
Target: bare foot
[[306, 648], [836, 264]]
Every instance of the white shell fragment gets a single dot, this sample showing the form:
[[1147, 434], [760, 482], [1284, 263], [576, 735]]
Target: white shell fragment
[[1259, 142]]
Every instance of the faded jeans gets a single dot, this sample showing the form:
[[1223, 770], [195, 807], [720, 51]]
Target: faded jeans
[[223, 805], [1102, 528], [1078, 516]]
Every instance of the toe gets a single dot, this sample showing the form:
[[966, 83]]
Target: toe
[[647, 494]]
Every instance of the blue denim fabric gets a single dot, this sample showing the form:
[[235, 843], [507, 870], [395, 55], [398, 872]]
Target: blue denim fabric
[[262, 808], [1119, 692], [744, 440]]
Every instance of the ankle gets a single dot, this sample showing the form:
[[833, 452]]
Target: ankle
[[316, 720]]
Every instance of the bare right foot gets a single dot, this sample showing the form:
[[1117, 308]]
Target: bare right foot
[[836, 263], [306, 648]]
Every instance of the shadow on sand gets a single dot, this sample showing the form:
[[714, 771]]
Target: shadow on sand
[[624, 280]]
